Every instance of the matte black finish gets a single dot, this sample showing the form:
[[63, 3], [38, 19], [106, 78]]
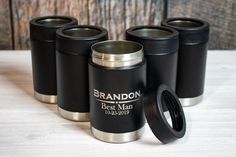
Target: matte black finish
[[194, 35], [154, 103], [160, 49], [44, 67], [73, 50], [191, 70], [42, 37], [116, 81]]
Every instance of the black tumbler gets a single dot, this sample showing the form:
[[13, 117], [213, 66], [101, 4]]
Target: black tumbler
[[194, 35], [117, 73], [73, 48], [160, 49], [43, 39]]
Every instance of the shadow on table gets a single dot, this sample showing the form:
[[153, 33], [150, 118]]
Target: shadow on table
[[22, 79], [85, 127], [153, 142]]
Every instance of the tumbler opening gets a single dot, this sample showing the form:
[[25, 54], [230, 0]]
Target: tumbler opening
[[117, 47], [185, 23], [81, 32], [53, 21], [151, 32], [117, 53]]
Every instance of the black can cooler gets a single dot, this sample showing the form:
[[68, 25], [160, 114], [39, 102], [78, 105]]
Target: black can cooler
[[194, 35], [117, 73], [161, 51], [73, 48], [43, 39]]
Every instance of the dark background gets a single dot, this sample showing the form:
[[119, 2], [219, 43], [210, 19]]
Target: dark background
[[116, 16]]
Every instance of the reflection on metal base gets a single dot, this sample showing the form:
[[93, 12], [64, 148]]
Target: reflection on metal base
[[51, 99], [117, 137], [186, 102], [75, 116]]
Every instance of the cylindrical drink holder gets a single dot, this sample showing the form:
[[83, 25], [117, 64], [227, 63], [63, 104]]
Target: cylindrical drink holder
[[117, 73], [42, 37], [73, 48], [194, 35], [160, 49]]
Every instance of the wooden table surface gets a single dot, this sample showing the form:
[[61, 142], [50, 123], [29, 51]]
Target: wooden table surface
[[29, 128]]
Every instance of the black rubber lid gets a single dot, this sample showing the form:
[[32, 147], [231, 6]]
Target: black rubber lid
[[154, 102], [79, 39], [44, 28], [192, 31], [155, 39]]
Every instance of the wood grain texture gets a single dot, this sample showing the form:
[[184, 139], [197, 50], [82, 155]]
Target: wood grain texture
[[98, 11], [149, 12], [108, 14], [130, 13], [220, 14], [117, 19], [116, 16], [23, 12], [75, 8], [5, 26], [119, 15], [31, 128]]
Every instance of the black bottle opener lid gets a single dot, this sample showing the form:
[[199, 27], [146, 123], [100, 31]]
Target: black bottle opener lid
[[154, 102]]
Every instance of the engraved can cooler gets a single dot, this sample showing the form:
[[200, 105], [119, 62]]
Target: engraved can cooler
[[117, 80]]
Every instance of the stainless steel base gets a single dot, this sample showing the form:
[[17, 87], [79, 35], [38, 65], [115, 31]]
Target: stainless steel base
[[75, 116], [117, 137], [51, 99], [186, 102]]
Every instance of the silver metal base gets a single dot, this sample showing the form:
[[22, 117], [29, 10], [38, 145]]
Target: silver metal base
[[186, 102], [51, 99], [117, 137], [75, 116]]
